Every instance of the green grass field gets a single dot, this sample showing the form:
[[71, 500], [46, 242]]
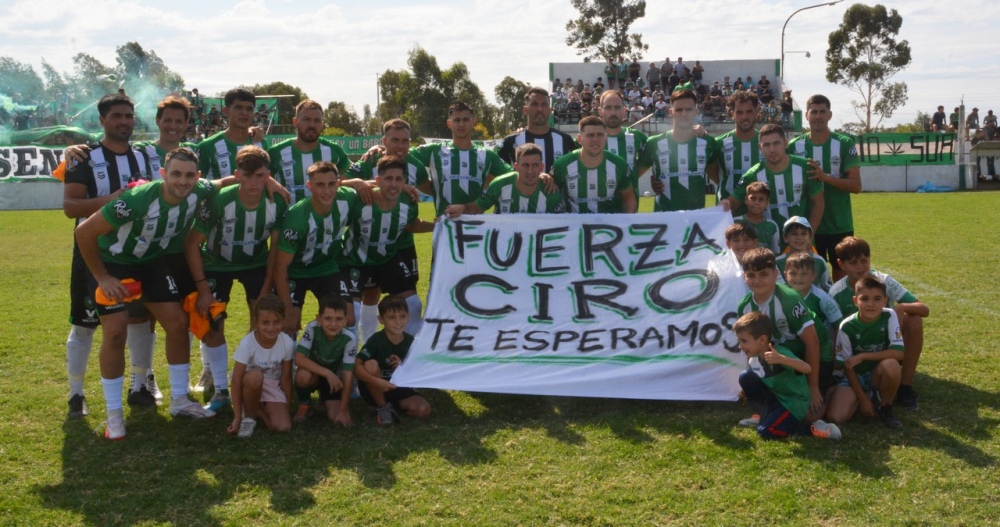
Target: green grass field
[[487, 459]]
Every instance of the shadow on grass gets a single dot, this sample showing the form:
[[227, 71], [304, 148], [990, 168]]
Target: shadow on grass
[[948, 421], [182, 472]]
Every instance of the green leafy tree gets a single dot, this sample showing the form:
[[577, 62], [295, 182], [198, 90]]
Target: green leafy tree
[[510, 101], [19, 81], [921, 124], [91, 78], [602, 30], [338, 116], [55, 82], [864, 56]]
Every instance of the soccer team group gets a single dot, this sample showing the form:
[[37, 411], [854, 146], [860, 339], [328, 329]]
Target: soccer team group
[[165, 229]]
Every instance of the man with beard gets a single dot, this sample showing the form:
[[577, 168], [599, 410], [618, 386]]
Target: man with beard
[[740, 149], [217, 154], [291, 158], [625, 142], [553, 143]]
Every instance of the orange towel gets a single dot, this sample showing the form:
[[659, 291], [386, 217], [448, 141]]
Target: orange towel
[[199, 324]]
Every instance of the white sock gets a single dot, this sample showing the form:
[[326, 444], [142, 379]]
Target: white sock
[[78, 345], [218, 361], [416, 321], [140, 353], [113, 393], [357, 316], [179, 377], [367, 321]]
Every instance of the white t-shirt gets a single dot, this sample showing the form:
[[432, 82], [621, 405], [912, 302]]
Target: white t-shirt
[[267, 360]]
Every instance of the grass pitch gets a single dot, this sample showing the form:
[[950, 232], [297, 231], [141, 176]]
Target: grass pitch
[[487, 459]]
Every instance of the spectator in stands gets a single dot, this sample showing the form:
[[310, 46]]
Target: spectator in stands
[[937, 120], [611, 72], [660, 108], [653, 76], [598, 87], [579, 86], [666, 68], [559, 108], [657, 93], [680, 67], [634, 70], [556, 84], [716, 90], [727, 89], [197, 102], [587, 95], [786, 110], [972, 122], [633, 95], [979, 137], [636, 112], [672, 81], [647, 101], [990, 125], [697, 73], [953, 121], [574, 109], [763, 85], [567, 85], [622, 73]]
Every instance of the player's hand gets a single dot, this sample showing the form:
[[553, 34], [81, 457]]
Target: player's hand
[[112, 288], [726, 205], [365, 190], [204, 302], [234, 427], [335, 383], [815, 401], [385, 385], [866, 407], [413, 192], [343, 418], [852, 362], [657, 185], [455, 210], [772, 356], [372, 153], [77, 154], [273, 187], [816, 172], [548, 183], [290, 326], [256, 134], [700, 131]]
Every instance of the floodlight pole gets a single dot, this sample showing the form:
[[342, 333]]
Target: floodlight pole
[[786, 25]]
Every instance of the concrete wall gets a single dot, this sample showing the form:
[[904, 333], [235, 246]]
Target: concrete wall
[[908, 178], [715, 70], [31, 195]]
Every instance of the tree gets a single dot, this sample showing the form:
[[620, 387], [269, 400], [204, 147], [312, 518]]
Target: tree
[[337, 115], [510, 100], [864, 55], [55, 82], [286, 105], [920, 125], [601, 32], [19, 81], [421, 96], [91, 78], [143, 74]]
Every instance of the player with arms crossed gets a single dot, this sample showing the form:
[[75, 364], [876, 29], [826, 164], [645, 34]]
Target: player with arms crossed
[[554, 144], [592, 179]]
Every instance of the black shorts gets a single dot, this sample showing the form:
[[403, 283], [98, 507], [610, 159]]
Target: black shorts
[[177, 265], [158, 284], [221, 282], [82, 308], [826, 379], [320, 287], [393, 397], [826, 246], [398, 275], [324, 391]]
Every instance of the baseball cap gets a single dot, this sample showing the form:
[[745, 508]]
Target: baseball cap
[[796, 220]]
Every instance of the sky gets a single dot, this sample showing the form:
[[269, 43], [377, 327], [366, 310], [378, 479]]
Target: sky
[[334, 51]]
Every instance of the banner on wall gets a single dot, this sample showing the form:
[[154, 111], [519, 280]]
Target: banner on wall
[[23, 163], [603, 305]]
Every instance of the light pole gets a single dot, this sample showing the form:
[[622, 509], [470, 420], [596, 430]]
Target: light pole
[[786, 25]]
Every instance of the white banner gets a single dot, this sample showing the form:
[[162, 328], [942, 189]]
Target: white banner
[[636, 306], [18, 163]]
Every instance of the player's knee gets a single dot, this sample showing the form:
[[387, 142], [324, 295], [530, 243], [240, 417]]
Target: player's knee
[[304, 378], [371, 367], [419, 408], [889, 368], [252, 379]]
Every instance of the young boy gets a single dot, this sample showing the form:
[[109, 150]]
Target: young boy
[[797, 234], [758, 198], [325, 349], [856, 254], [740, 238], [800, 275], [870, 347], [774, 382], [380, 356], [794, 327]]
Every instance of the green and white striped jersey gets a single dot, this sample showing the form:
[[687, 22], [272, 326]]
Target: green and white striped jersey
[[416, 175], [333, 354], [629, 145], [157, 155], [458, 175], [836, 156], [856, 337], [767, 233], [843, 293], [504, 196], [791, 189], [373, 237], [819, 264], [289, 164], [788, 313], [237, 236], [681, 167], [825, 314], [217, 156], [737, 157], [592, 190], [316, 240], [144, 224]]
